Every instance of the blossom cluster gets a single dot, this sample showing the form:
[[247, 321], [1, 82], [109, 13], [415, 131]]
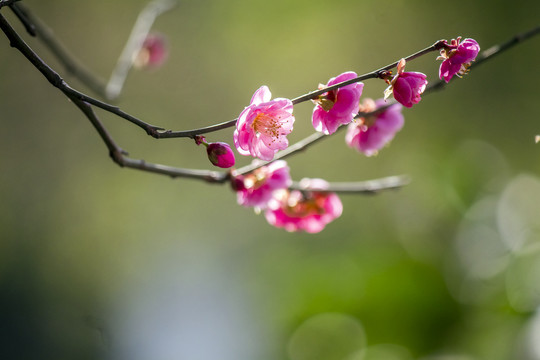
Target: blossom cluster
[[263, 126], [267, 189]]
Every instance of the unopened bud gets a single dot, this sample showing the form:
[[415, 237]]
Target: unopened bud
[[153, 53], [220, 154]]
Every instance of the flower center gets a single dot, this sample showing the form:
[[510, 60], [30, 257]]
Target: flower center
[[327, 100], [368, 121], [307, 205], [266, 125], [367, 107], [256, 179], [464, 69]]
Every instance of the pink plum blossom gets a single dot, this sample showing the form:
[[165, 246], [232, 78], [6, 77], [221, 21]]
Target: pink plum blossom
[[262, 127], [371, 133], [220, 154], [153, 53], [406, 86], [336, 107], [257, 188], [457, 57], [308, 211]]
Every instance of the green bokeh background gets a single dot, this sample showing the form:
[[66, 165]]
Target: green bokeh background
[[174, 269]]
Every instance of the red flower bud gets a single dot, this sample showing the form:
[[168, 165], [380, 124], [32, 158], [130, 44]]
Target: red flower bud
[[220, 154]]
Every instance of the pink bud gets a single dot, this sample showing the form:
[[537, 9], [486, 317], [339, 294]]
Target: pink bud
[[406, 86], [153, 52], [220, 154]]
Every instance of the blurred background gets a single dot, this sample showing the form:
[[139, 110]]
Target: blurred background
[[99, 262]]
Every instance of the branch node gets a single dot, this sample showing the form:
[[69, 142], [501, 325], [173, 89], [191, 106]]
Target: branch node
[[117, 155], [438, 45], [154, 131]]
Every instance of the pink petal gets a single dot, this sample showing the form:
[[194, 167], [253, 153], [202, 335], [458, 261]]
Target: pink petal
[[403, 92], [262, 95], [342, 77]]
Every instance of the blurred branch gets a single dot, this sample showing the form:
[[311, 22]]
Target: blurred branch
[[134, 44], [112, 89], [7, 2], [24, 19], [361, 187]]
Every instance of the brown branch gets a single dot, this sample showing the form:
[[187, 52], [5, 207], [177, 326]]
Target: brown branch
[[79, 99]]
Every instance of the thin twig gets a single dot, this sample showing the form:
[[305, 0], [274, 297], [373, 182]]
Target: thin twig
[[134, 44], [7, 2], [371, 75], [111, 89], [305, 97], [361, 187], [24, 19], [119, 156], [71, 64], [116, 153], [437, 85]]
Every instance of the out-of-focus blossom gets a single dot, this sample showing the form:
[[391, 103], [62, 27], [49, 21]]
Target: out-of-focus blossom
[[220, 154], [337, 107], [308, 211], [262, 127], [257, 188], [457, 58], [153, 53], [369, 134], [406, 86]]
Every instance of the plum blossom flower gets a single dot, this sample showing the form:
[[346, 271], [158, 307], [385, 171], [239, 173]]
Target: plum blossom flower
[[371, 133], [406, 86], [308, 211], [257, 188], [262, 127], [457, 57], [153, 53], [336, 107], [220, 154]]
